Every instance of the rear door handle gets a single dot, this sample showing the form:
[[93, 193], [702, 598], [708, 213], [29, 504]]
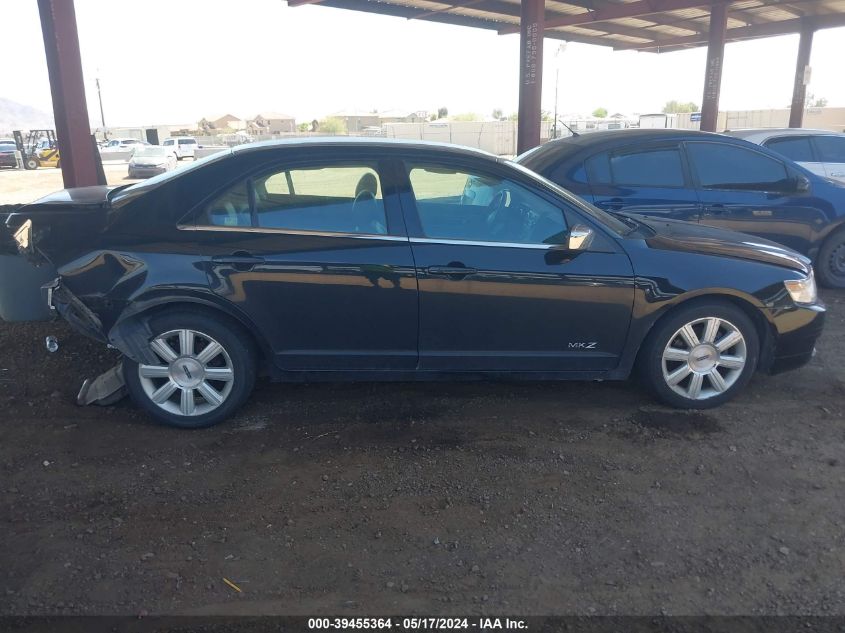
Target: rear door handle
[[455, 272], [239, 260]]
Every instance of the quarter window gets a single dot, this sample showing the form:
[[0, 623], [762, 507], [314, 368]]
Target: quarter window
[[720, 166], [796, 148], [460, 205]]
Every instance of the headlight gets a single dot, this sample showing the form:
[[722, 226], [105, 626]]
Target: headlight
[[802, 290]]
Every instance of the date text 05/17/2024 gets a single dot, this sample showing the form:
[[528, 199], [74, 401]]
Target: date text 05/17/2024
[[419, 624]]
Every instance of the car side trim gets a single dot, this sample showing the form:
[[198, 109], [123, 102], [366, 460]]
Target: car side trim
[[431, 240], [271, 231]]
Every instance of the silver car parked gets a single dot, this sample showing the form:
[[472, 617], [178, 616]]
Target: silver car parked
[[820, 151]]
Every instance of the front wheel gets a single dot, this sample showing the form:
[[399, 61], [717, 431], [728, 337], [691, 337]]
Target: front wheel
[[205, 370], [830, 264], [701, 356]]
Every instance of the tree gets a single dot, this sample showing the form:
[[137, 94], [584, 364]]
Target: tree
[[545, 115], [675, 107], [498, 114], [303, 127], [332, 125], [600, 113], [442, 113], [466, 116], [812, 102]]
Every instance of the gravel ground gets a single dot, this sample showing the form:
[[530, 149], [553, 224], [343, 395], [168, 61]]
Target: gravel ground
[[363, 499]]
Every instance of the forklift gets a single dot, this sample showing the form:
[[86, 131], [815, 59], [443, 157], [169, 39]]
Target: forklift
[[38, 148]]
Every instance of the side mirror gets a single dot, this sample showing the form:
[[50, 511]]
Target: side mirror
[[802, 184], [580, 238]]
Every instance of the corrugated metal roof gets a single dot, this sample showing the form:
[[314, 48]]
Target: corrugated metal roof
[[622, 24]]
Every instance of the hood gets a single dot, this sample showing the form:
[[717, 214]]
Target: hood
[[707, 240]]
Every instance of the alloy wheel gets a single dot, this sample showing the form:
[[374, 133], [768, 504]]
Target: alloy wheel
[[195, 374], [704, 358]]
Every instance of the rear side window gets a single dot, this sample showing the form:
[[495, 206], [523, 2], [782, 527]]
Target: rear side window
[[722, 166], [169, 141], [187, 141], [831, 148], [650, 167], [796, 148], [335, 199], [339, 199]]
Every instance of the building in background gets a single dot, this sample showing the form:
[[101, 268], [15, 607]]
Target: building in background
[[272, 123]]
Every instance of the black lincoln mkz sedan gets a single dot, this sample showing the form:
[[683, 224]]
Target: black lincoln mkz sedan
[[379, 260]]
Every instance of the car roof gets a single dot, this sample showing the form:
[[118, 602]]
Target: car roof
[[553, 151], [360, 142], [769, 132]]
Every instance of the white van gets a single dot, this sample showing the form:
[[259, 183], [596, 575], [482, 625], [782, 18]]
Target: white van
[[182, 146]]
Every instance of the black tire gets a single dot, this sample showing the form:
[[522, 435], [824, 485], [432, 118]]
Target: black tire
[[729, 317], [238, 359], [830, 264], [31, 163]]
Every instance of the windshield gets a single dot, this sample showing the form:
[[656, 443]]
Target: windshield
[[152, 151], [603, 217]]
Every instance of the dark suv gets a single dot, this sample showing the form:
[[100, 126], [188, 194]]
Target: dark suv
[[708, 178]]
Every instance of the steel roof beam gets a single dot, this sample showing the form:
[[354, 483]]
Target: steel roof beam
[[755, 31], [615, 11]]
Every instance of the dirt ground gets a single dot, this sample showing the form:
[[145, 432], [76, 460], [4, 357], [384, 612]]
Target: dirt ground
[[365, 499], [418, 498]]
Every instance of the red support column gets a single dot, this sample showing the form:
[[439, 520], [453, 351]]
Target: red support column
[[713, 70], [64, 65], [799, 89], [530, 73]]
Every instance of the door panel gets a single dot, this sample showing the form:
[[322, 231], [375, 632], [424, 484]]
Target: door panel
[[307, 252], [495, 295], [517, 311], [744, 190], [322, 302]]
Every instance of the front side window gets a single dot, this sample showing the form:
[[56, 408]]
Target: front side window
[[459, 205], [335, 199], [650, 167], [831, 148], [721, 166], [795, 148], [187, 141], [169, 141]]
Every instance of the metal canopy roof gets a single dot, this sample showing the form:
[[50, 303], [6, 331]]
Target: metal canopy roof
[[647, 25]]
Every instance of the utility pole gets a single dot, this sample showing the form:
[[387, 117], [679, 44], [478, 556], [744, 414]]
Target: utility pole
[[102, 115], [560, 49]]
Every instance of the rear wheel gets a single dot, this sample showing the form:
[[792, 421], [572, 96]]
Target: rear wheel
[[701, 356], [205, 370], [830, 264]]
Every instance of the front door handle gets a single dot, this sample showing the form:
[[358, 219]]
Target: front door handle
[[239, 260], [453, 272]]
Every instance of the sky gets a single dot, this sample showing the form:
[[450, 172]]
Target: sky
[[170, 62]]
